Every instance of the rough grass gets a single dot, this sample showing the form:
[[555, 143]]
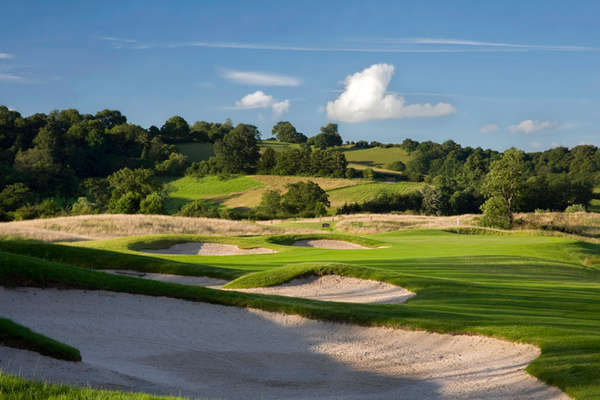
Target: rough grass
[[196, 151], [15, 388], [105, 226], [521, 287], [579, 223], [369, 191], [15, 335]]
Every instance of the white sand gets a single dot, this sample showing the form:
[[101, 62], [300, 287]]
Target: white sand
[[209, 249], [169, 346], [326, 288], [170, 278], [329, 244], [338, 288]]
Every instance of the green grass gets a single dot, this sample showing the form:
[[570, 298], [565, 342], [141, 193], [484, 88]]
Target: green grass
[[186, 189], [369, 191], [521, 287], [196, 151], [376, 157], [15, 335], [15, 388], [278, 146]]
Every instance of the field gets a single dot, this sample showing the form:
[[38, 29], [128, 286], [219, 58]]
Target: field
[[376, 157], [524, 287], [368, 191]]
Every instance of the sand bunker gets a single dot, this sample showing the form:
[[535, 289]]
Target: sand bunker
[[168, 346], [325, 288], [329, 244], [170, 278], [209, 249], [338, 288]]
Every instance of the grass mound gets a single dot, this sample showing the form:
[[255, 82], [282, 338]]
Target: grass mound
[[15, 335], [288, 240], [290, 272]]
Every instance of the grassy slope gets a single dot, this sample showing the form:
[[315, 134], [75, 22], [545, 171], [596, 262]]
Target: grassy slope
[[186, 189], [15, 335], [376, 157], [15, 388], [520, 287], [369, 191]]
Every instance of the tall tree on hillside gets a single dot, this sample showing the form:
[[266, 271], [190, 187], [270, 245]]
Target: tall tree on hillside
[[504, 184], [286, 132], [238, 150], [175, 129]]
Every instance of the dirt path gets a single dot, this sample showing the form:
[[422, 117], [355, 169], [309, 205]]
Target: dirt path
[[169, 346]]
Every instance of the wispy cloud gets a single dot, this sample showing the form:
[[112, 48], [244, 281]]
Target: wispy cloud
[[478, 44], [12, 78], [5, 56], [260, 78], [116, 39], [529, 126]]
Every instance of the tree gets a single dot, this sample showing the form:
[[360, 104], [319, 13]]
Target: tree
[[270, 204], [129, 187], [328, 137], [238, 152], [14, 196], [175, 129], [267, 161], [286, 132], [83, 207], [505, 183], [306, 199], [496, 213]]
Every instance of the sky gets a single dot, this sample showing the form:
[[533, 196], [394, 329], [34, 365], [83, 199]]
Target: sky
[[490, 74]]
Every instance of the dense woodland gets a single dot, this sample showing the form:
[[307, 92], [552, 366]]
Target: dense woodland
[[66, 162]]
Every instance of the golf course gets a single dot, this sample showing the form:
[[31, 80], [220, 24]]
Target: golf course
[[479, 288]]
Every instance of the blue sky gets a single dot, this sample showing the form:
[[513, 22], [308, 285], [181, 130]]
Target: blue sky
[[490, 74]]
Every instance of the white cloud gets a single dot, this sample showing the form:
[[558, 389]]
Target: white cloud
[[478, 43], [489, 128], [281, 108], [259, 99], [364, 98], [529, 126], [5, 56], [260, 78]]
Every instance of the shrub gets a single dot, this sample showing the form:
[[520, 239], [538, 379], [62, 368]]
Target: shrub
[[14, 196], [368, 173], [575, 208], [129, 203], [83, 207], [496, 213], [152, 204], [396, 166], [199, 208]]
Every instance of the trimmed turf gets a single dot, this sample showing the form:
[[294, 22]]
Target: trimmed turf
[[15, 335], [522, 287], [15, 388]]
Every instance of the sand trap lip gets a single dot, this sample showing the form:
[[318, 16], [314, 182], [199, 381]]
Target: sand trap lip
[[325, 288], [208, 249], [329, 244], [170, 346], [338, 288]]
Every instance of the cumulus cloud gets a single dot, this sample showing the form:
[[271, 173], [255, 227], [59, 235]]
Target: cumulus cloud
[[259, 99], [365, 98], [489, 128], [281, 108], [529, 126], [260, 78]]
